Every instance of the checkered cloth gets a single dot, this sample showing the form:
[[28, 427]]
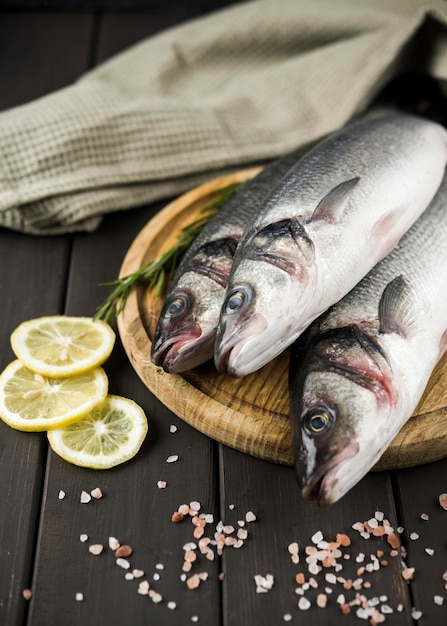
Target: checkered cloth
[[237, 87]]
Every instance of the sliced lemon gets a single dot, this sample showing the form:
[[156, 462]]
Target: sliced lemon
[[110, 434], [59, 345], [30, 401]]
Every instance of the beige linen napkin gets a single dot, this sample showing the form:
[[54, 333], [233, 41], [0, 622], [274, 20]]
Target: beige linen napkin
[[239, 86]]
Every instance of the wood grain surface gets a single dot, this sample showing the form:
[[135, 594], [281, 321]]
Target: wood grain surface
[[250, 414]]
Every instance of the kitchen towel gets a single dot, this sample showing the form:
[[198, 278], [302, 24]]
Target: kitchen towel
[[237, 87]]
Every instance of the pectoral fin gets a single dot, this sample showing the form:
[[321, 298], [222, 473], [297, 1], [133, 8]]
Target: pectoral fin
[[385, 232], [396, 308], [331, 207]]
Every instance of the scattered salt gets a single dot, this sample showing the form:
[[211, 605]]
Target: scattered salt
[[79, 597], [96, 493], [85, 497], [303, 603], [161, 484], [61, 495], [173, 428], [172, 458]]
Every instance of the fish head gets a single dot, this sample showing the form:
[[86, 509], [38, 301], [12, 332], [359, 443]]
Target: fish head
[[185, 332], [254, 321], [341, 430], [272, 289]]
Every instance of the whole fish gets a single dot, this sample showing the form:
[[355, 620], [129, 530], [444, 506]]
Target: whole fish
[[186, 329], [332, 218], [358, 372]]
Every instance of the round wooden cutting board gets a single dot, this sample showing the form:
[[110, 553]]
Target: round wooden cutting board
[[249, 414]]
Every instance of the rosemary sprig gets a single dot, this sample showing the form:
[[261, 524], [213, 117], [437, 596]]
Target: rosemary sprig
[[157, 273]]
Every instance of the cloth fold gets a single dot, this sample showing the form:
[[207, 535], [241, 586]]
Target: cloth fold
[[239, 86]]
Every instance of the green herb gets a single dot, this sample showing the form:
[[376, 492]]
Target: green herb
[[156, 274]]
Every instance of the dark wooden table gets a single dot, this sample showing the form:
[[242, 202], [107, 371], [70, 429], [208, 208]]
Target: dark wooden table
[[40, 533]]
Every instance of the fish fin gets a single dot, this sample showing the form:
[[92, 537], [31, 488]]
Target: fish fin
[[383, 229], [443, 343], [396, 311], [331, 207]]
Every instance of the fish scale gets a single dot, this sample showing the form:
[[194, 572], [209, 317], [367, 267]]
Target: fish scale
[[351, 197], [349, 399]]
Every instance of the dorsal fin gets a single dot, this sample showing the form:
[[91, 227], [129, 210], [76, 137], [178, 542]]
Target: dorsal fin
[[331, 207], [396, 312]]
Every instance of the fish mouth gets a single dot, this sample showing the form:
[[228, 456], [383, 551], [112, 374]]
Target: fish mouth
[[234, 346], [323, 485], [184, 350]]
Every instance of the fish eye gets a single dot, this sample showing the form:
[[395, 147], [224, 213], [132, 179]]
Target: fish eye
[[236, 299], [176, 306], [317, 420]]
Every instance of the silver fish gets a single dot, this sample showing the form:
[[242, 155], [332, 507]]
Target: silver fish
[[185, 333], [333, 217], [358, 372]]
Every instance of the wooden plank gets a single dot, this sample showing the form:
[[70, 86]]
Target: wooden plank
[[32, 283], [133, 508], [41, 52], [418, 491], [283, 517]]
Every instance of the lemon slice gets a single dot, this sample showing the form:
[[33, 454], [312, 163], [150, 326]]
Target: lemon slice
[[30, 401], [59, 345], [110, 434]]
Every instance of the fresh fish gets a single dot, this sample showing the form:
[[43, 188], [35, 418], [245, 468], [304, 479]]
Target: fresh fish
[[358, 372], [333, 217], [185, 333]]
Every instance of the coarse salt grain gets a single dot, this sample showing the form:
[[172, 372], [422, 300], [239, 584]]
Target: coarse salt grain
[[114, 544], [429, 551], [155, 596], [123, 551], [129, 576], [415, 614], [287, 617], [173, 428], [250, 516], [83, 537], [321, 600], [194, 618], [96, 548], [79, 597], [28, 594], [304, 603], [193, 581], [171, 605], [96, 493], [85, 497], [161, 484], [443, 501], [172, 458], [414, 536], [439, 600], [408, 573], [424, 516], [317, 537], [124, 563], [195, 506], [143, 588], [61, 495]]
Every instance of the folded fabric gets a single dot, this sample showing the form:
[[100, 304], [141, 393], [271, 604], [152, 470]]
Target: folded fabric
[[239, 86]]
